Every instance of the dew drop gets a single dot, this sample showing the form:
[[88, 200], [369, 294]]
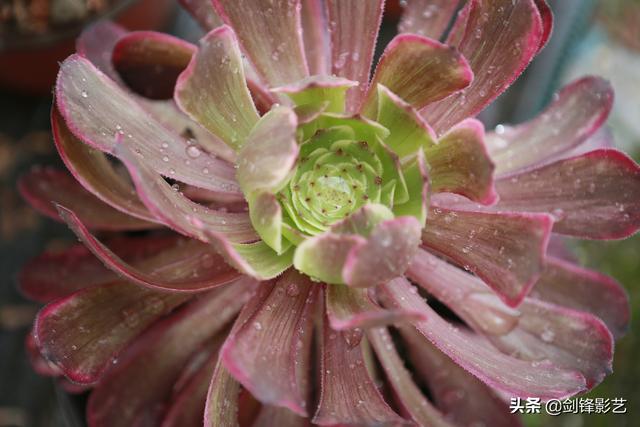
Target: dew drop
[[293, 290], [154, 305], [193, 151], [547, 335], [130, 318], [385, 240], [451, 397], [207, 260], [352, 336], [558, 214]]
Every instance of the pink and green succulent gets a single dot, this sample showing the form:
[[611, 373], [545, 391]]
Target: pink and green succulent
[[307, 227]]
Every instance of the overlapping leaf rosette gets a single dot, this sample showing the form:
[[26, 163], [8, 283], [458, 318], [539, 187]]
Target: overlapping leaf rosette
[[317, 245]]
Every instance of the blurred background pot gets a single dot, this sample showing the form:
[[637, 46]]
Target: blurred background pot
[[29, 61]]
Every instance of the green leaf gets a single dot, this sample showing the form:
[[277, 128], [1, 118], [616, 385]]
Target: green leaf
[[409, 132], [266, 217], [319, 89]]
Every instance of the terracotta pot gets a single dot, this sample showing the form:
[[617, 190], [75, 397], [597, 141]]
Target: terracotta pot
[[29, 64]]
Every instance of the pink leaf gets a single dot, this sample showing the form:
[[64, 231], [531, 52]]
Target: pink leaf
[[593, 196], [579, 110], [136, 388], [348, 394], [499, 38], [270, 353], [353, 26], [505, 249], [192, 267], [43, 188], [473, 353], [270, 36], [420, 71]]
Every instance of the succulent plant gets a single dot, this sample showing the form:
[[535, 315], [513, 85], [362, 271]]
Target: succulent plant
[[296, 212]]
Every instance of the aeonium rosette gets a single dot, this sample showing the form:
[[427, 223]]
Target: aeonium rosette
[[327, 193], [333, 191], [301, 220]]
